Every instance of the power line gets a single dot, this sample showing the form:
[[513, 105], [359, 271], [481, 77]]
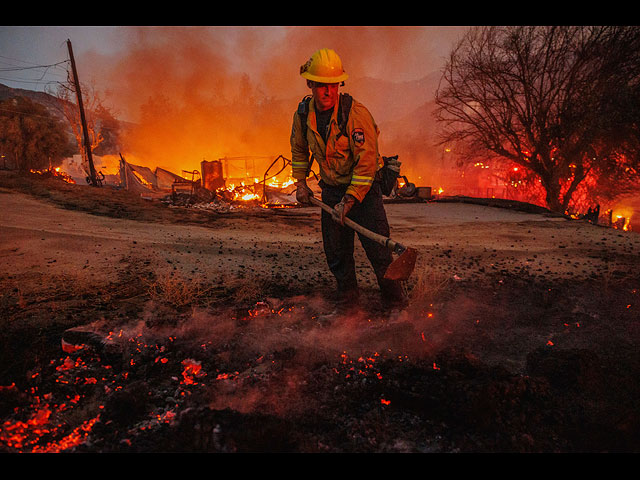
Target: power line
[[16, 68], [27, 62], [53, 72], [37, 82]]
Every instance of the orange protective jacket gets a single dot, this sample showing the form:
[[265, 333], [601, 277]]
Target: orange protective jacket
[[351, 159]]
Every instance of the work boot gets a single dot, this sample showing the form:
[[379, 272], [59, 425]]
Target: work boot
[[393, 296], [347, 301]]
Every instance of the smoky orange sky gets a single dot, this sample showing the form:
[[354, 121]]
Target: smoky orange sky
[[196, 93]]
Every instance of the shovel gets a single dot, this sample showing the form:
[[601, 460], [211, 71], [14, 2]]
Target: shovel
[[402, 267]]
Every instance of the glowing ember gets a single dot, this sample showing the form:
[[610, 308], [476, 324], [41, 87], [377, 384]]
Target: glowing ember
[[364, 366], [76, 437], [192, 370], [50, 422]]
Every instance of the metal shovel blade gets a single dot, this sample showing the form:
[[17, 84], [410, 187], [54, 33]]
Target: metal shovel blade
[[402, 267]]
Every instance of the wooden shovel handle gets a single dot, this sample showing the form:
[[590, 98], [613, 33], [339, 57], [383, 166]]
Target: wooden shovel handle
[[381, 239]]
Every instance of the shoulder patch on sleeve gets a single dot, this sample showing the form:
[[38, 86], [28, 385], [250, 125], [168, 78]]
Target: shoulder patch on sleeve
[[358, 136]]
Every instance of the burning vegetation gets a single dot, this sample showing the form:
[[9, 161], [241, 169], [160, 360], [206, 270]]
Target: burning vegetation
[[55, 172]]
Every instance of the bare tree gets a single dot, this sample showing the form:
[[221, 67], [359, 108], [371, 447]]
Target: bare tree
[[558, 101], [101, 124]]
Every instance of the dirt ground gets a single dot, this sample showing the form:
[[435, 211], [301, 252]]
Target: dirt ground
[[204, 331]]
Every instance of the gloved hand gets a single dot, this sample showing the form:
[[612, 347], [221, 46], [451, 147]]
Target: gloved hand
[[341, 210], [303, 193]]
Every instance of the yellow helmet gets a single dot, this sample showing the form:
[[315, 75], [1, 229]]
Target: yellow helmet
[[324, 66]]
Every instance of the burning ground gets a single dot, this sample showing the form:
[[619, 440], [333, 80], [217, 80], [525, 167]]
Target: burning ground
[[131, 326]]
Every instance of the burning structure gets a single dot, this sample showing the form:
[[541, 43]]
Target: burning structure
[[263, 180], [241, 180]]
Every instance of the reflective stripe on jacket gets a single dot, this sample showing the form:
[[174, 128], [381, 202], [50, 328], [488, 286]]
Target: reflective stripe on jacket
[[351, 159]]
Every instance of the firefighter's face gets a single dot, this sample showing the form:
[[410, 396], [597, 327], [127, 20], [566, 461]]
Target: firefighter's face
[[324, 94]]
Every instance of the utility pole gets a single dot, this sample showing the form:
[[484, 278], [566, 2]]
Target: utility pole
[[87, 143]]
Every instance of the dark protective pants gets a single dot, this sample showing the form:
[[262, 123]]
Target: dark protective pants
[[339, 243]]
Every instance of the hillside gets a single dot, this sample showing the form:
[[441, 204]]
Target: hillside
[[42, 98]]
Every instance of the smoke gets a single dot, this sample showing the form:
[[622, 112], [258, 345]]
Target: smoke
[[195, 93], [260, 354], [262, 357]]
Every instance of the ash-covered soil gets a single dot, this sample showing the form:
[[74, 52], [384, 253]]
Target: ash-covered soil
[[133, 326]]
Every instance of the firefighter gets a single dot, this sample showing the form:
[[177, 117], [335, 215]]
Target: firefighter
[[348, 160]]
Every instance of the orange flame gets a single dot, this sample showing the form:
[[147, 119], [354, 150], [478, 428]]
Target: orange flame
[[55, 172]]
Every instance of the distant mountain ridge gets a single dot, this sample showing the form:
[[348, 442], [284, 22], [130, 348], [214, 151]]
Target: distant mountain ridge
[[45, 99]]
